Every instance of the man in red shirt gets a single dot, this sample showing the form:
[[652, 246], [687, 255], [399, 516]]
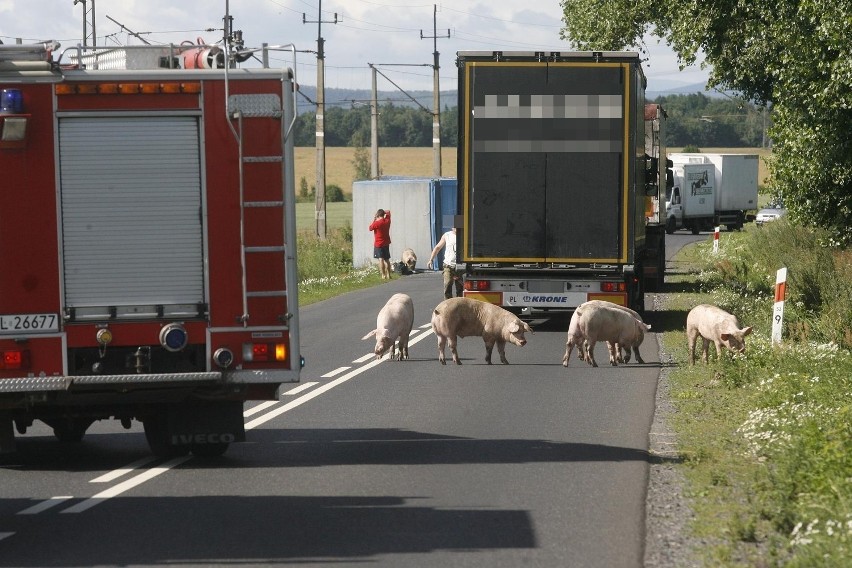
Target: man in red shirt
[[381, 241]]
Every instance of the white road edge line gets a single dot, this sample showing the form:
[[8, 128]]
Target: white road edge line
[[364, 358], [5, 535], [126, 485], [325, 388], [116, 473], [45, 505]]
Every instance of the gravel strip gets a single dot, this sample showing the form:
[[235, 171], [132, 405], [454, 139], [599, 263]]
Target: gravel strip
[[668, 541]]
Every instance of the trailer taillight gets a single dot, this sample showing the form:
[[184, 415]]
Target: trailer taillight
[[477, 285], [264, 352], [613, 287], [15, 359]]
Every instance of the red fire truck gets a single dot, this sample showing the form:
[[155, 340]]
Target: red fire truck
[[147, 241]]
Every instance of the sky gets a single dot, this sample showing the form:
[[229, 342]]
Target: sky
[[397, 36]]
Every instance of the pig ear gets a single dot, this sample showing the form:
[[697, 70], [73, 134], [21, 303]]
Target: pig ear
[[369, 335], [725, 336], [746, 331], [647, 326], [514, 327], [527, 327]]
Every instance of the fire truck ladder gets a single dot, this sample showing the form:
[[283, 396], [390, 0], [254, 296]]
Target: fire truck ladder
[[248, 111]]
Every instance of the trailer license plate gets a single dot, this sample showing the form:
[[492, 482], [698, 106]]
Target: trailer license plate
[[32, 323]]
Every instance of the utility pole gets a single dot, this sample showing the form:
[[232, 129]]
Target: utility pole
[[374, 129], [320, 133], [436, 92], [88, 21]]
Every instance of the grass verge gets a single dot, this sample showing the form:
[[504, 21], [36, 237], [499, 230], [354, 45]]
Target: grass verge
[[767, 438]]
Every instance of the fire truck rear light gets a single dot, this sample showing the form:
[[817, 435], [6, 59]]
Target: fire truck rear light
[[477, 285], [87, 89], [264, 352], [65, 89], [170, 88], [108, 88], [149, 88], [16, 359], [280, 352], [613, 287], [174, 337]]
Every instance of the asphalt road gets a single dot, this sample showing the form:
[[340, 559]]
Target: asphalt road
[[379, 463]]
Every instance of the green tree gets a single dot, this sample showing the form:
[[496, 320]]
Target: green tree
[[794, 56]]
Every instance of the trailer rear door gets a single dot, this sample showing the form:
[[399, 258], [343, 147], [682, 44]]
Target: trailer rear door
[[546, 146]]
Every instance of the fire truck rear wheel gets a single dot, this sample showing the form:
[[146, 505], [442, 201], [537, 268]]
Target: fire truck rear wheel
[[158, 435]]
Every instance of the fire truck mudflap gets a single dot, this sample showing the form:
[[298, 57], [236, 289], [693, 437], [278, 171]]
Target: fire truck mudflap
[[147, 231]]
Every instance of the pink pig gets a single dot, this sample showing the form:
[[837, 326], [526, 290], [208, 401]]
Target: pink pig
[[714, 324], [463, 317]]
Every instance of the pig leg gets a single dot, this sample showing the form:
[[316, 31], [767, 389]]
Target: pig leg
[[636, 354], [718, 350], [403, 347], [489, 347], [569, 346], [501, 348], [705, 350], [691, 337], [614, 353], [442, 344], [452, 340], [590, 353]]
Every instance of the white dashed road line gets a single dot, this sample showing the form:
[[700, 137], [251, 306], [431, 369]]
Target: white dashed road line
[[163, 468], [45, 505], [335, 372], [300, 388], [116, 473], [126, 485]]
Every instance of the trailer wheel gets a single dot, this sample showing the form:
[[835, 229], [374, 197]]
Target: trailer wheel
[[671, 225], [159, 437], [695, 229]]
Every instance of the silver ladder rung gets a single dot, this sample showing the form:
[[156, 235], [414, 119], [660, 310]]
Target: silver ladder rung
[[267, 294], [266, 249], [264, 204], [263, 158]]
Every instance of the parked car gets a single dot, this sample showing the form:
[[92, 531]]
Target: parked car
[[770, 213]]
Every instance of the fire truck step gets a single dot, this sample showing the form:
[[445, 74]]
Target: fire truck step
[[264, 204]]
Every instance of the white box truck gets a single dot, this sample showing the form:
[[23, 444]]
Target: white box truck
[[735, 190]]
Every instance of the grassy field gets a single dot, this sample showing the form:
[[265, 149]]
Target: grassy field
[[340, 171]]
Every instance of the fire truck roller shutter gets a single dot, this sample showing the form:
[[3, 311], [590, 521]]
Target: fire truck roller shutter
[[131, 197]]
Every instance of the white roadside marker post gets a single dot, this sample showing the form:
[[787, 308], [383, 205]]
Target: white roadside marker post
[[778, 309], [716, 240]]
